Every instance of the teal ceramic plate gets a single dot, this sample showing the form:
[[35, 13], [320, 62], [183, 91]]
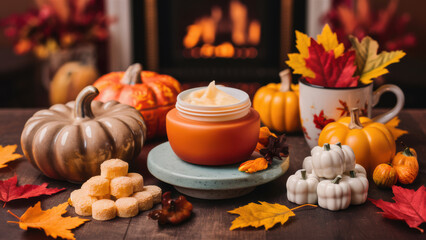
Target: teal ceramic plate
[[209, 182]]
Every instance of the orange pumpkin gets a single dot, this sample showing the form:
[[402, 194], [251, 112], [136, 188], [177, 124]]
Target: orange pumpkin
[[150, 93], [278, 104], [384, 175], [406, 165], [371, 141]]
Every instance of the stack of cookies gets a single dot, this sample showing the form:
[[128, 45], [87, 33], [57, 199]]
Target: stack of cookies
[[114, 193]]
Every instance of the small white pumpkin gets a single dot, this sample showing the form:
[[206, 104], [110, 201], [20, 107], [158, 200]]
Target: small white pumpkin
[[302, 187], [334, 194], [307, 164], [328, 162], [349, 156], [359, 187]]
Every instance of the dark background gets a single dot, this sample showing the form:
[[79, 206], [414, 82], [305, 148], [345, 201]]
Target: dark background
[[20, 86]]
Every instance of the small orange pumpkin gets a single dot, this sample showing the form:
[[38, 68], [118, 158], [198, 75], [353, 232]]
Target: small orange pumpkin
[[69, 80], [152, 94], [406, 165], [278, 105], [384, 175], [371, 141]]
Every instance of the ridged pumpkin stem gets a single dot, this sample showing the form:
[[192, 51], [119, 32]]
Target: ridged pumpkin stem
[[285, 80], [339, 144], [326, 147], [83, 102], [352, 173], [132, 75], [355, 123], [303, 172], [337, 179]]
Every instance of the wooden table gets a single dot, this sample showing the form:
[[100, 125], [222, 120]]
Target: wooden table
[[210, 218]]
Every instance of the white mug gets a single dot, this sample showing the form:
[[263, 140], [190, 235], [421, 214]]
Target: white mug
[[321, 105]]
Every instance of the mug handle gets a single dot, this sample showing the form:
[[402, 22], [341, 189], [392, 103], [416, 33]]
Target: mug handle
[[387, 116]]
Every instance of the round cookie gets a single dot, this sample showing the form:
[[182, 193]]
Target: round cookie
[[104, 209], [155, 192], [121, 187], [127, 207], [145, 200], [96, 186], [137, 181], [114, 168]]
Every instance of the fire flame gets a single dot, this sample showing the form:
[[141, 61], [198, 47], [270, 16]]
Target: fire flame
[[245, 34]]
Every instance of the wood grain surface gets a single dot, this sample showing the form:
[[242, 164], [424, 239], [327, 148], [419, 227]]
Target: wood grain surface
[[210, 218]]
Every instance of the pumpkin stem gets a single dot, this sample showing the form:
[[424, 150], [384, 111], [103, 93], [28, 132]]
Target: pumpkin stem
[[339, 144], [407, 152], [355, 123], [326, 147], [132, 75], [337, 179], [352, 174], [83, 102], [285, 80], [303, 172]]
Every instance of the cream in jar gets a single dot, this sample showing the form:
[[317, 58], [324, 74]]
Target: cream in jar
[[213, 125], [210, 96]]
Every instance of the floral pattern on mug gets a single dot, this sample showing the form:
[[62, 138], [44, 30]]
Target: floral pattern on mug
[[320, 120]]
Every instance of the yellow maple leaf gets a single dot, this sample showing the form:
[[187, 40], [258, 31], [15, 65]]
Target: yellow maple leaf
[[51, 220], [369, 64], [252, 166], [263, 214], [7, 154], [396, 132], [328, 40], [303, 42], [298, 64]]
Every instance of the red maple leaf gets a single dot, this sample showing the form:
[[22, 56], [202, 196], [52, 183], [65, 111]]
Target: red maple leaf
[[409, 206], [9, 190], [320, 120], [330, 71]]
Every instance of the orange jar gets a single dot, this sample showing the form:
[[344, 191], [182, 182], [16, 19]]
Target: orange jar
[[213, 135]]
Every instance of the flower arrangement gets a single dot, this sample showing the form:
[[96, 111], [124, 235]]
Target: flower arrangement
[[56, 25], [325, 62], [361, 19]]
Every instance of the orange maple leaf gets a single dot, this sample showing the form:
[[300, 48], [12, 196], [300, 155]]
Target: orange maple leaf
[[7, 154], [392, 126], [51, 220]]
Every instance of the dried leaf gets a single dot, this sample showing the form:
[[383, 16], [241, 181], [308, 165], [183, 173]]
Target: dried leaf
[[264, 134], [263, 214], [369, 64], [172, 211], [396, 132], [277, 147], [51, 221], [330, 71], [409, 206], [252, 166], [7, 154], [329, 41], [9, 190]]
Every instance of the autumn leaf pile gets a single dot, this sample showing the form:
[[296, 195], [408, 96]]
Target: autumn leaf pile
[[324, 62], [51, 220]]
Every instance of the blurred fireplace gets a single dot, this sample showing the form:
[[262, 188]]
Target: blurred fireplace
[[223, 40]]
